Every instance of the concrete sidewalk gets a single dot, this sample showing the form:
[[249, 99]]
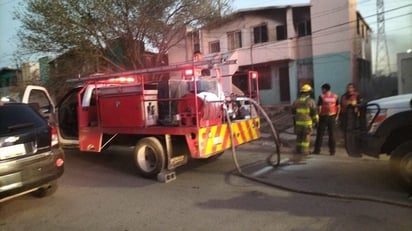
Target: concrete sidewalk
[[288, 139]]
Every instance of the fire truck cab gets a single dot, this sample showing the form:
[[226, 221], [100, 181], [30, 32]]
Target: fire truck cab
[[169, 114]]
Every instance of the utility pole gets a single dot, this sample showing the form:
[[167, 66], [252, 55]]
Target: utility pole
[[382, 66]]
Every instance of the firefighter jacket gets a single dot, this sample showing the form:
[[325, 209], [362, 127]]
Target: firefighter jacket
[[328, 103], [304, 109]]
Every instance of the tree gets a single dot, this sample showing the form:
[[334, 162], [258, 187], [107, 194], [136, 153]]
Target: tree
[[114, 34]]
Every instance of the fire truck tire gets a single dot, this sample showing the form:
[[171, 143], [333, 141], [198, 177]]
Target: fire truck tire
[[149, 157], [401, 164]]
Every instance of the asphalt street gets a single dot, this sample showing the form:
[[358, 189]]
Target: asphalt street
[[103, 192]]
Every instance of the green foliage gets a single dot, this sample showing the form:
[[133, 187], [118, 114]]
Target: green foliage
[[114, 32]]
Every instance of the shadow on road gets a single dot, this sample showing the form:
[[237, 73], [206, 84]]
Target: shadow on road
[[112, 167]]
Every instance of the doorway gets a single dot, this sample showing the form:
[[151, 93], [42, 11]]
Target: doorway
[[284, 84]]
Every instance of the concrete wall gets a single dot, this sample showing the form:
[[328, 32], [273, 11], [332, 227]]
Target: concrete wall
[[333, 26], [336, 45], [30, 73], [334, 69], [404, 73], [270, 97], [329, 54]]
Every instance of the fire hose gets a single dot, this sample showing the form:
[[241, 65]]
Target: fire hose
[[278, 163]]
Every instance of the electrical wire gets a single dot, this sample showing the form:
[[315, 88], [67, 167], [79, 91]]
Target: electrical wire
[[277, 164]]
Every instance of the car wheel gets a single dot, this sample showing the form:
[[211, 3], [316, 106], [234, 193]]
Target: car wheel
[[401, 163], [149, 157], [47, 190]]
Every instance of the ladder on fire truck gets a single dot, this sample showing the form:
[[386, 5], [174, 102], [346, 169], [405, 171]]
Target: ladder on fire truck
[[159, 69]]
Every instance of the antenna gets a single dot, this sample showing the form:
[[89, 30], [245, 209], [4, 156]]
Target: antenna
[[382, 66]]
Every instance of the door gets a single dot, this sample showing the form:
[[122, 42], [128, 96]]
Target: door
[[68, 127], [40, 98], [90, 133], [284, 84]]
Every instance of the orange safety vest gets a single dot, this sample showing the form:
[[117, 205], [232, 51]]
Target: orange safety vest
[[329, 106]]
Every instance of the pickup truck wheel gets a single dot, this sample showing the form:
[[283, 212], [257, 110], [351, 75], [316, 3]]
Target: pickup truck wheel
[[45, 191], [401, 163], [149, 157]]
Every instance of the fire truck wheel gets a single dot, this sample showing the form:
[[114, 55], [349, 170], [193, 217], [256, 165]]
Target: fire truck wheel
[[149, 158], [401, 163]]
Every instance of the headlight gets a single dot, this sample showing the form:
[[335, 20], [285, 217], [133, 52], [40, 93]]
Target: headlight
[[375, 120]]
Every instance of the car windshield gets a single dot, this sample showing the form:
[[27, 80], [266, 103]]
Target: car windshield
[[15, 117]]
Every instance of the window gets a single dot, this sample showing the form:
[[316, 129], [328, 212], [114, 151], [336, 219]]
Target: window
[[260, 34], [40, 97], [234, 40], [214, 47], [281, 32], [304, 28], [196, 40], [22, 117], [196, 47]]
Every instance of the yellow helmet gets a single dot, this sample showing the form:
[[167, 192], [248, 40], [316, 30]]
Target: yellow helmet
[[306, 88]]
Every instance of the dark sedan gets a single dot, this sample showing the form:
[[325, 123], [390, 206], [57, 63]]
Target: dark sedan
[[30, 157]]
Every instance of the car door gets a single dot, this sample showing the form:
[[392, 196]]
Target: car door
[[67, 118], [60, 115], [39, 97]]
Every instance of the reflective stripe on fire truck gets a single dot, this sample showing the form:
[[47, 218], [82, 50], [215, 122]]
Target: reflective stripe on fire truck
[[216, 138]]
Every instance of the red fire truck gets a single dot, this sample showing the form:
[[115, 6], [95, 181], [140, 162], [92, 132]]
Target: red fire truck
[[168, 114]]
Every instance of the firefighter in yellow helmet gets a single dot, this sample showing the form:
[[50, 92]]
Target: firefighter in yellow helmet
[[305, 115]]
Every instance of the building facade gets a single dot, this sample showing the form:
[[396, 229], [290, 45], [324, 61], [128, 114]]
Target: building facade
[[30, 73], [404, 72], [324, 41]]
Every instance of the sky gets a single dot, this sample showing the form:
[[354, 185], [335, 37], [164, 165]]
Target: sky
[[398, 24]]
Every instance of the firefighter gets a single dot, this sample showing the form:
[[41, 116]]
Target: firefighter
[[329, 110], [305, 116]]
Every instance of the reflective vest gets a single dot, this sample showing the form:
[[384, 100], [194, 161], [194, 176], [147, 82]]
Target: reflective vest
[[329, 106], [305, 109]]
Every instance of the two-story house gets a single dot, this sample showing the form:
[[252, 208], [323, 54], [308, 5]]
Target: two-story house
[[324, 41]]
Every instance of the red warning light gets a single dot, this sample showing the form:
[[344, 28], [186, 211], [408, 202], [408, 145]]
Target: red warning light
[[253, 74], [189, 72]]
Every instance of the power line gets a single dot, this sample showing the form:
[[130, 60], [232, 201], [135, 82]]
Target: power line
[[352, 21]]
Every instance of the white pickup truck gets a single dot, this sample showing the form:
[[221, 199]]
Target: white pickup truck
[[385, 126]]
